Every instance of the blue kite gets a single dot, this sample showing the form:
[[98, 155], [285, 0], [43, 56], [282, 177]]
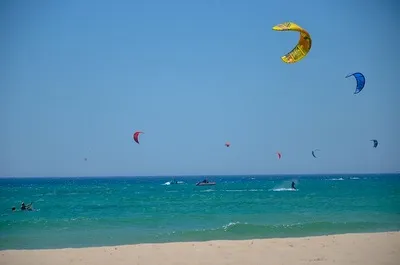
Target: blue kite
[[360, 78]]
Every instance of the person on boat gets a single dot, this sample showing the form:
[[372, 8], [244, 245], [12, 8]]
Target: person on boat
[[205, 181], [293, 186], [26, 207]]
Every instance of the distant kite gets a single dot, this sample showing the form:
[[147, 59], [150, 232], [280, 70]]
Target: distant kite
[[136, 136], [303, 46], [279, 155], [375, 142], [227, 144], [360, 78], [313, 152]]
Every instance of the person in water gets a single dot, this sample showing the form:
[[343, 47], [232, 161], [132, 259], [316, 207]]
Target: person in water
[[293, 186], [26, 207]]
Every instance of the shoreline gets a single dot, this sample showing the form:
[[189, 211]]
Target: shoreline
[[204, 241], [350, 248]]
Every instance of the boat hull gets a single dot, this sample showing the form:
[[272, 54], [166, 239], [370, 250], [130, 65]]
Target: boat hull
[[205, 184]]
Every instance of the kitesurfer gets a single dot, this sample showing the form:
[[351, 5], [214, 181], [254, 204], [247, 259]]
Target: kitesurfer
[[293, 186], [26, 207]]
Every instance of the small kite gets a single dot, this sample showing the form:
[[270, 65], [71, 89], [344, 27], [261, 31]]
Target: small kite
[[303, 46], [313, 152], [227, 144], [279, 155], [375, 142], [360, 78], [136, 136]]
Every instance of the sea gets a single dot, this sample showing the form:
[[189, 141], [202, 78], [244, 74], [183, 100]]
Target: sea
[[107, 211]]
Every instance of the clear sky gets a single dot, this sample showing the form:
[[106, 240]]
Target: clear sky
[[79, 77]]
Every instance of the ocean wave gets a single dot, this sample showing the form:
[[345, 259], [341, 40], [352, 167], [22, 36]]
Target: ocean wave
[[249, 230], [336, 179], [208, 190]]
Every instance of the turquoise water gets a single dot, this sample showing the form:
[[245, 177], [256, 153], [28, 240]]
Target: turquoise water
[[80, 212]]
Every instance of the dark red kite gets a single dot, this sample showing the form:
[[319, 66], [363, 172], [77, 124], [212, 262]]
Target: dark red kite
[[136, 136]]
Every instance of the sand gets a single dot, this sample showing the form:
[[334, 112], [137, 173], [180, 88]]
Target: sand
[[363, 249]]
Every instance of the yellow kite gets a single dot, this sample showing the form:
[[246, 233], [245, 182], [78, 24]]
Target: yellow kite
[[303, 46]]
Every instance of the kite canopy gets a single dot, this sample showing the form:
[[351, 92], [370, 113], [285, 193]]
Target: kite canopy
[[375, 142], [227, 144], [313, 152], [303, 46], [279, 155], [136, 136], [360, 78]]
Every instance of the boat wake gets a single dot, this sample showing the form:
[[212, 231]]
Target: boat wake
[[283, 189]]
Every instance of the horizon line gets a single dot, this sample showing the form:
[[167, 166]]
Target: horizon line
[[201, 175]]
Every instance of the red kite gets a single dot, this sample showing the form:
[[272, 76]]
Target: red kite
[[136, 136]]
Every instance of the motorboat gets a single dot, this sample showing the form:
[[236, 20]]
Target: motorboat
[[205, 183]]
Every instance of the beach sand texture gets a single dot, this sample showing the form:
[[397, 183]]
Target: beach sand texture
[[363, 249]]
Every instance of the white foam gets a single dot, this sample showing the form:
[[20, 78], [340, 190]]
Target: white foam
[[252, 190], [209, 190], [226, 227], [335, 179], [283, 189], [169, 183]]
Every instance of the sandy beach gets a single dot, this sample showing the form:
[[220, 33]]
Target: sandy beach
[[365, 249]]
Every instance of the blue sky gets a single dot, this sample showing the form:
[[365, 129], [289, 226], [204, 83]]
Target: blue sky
[[79, 77]]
